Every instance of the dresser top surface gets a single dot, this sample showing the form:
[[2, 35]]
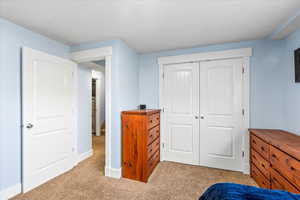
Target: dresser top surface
[[141, 112], [286, 141]]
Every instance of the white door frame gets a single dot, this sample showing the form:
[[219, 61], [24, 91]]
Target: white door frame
[[96, 75], [245, 54], [94, 55]]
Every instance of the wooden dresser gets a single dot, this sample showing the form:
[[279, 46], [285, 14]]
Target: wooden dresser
[[140, 143], [275, 159]]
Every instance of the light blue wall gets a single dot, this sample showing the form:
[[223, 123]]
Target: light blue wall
[[274, 95], [266, 100], [13, 37], [124, 88], [291, 92], [84, 110]]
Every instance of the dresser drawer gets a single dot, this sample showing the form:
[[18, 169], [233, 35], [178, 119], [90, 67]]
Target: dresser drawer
[[260, 163], [260, 146], [260, 179], [285, 165], [153, 148], [280, 183], [154, 120], [153, 162], [153, 134]]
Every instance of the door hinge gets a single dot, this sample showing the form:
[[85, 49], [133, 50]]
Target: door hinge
[[243, 70], [163, 75], [243, 154], [243, 112], [163, 145], [163, 109]]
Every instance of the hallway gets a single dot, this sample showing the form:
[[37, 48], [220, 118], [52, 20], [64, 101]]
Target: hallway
[[98, 159]]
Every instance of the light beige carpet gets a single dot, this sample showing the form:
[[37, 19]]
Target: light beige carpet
[[168, 181]]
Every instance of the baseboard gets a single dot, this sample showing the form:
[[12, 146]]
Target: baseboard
[[246, 168], [113, 172], [10, 192], [85, 155]]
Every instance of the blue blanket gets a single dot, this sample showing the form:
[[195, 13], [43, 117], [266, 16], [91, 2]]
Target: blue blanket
[[230, 191]]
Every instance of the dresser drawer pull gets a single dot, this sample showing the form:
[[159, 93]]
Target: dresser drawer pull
[[274, 156], [292, 168]]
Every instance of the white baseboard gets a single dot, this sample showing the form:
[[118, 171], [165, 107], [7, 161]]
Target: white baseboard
[[246, 168], [10, 192], [113, 172], [85, 155]]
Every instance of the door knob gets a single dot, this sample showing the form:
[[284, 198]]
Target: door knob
[[196, 117], [202, 117], [29, 126]]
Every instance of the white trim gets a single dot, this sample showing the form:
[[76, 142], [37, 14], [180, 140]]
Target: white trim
[[246, 105], [75, 111], [235, 53], [108, 113], [113, 172], [93, 55], [85, 155], [244, 53], [10, 192], [97, 75]]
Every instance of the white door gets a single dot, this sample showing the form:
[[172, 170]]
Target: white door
[[48, 134], [221, 114], [181, 106]]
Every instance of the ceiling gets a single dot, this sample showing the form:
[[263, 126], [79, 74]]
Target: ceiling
[[151, 25]]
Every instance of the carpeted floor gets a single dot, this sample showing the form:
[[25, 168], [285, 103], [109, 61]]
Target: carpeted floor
[[169, 181]]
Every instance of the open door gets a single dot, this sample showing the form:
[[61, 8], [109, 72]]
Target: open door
[[48, 118]]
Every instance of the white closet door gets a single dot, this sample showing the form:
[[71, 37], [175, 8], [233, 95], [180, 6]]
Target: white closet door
[[48, 135], [181, 104], [221, 114]]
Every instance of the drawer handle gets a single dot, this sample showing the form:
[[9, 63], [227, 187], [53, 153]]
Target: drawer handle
[[274, 156], [292, 168]]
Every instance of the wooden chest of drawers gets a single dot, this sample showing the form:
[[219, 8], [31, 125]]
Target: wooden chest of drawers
[[140, 143], [275, 159]]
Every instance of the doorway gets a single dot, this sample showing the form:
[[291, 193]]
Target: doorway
[[97, 54], [98, 113], [205, 109]]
